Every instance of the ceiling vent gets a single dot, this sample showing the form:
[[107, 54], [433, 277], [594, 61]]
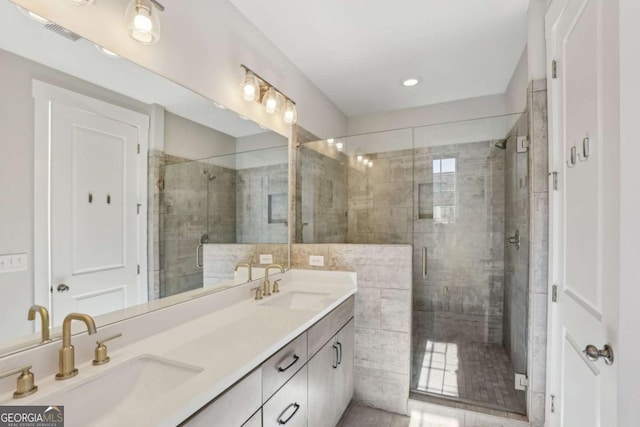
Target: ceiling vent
[[70, 35]]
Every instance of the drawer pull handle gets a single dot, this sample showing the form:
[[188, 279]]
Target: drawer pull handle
[[335, 365], [295, 359], [340, 353], [293, 405]]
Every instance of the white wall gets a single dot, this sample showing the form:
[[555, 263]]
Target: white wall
[[202, 46], [629, 351], [466, 109], [536, 42], [190, 140], [516, 94], [260, 141]]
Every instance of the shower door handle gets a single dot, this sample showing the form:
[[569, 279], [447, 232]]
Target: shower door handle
[[198, 250], [425, 262]]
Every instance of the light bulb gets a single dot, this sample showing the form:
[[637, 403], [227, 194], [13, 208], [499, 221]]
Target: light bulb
[[370, 164], [339, 146], [143, 22], [272, 101], [330, 141], [365, 161], [250, 87], [290, 116], [359, 158]]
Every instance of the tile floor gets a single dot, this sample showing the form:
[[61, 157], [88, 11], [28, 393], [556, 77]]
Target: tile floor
[[423, 415], [467, 371]]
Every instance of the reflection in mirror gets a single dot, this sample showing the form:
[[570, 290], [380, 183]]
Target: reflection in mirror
[[105, 201], [393, 187]]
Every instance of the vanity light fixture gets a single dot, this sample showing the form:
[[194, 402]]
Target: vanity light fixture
[[330, 141], [365, 162], [142, 18], [370, 164], [359, 158], [339, 146], [410, 81], [256, 89]]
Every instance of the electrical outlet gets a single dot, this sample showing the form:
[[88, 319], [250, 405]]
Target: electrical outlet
[[13, 262], [316, 260], [266, 259], [521, 382]]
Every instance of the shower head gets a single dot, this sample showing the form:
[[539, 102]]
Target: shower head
[[502, 144]]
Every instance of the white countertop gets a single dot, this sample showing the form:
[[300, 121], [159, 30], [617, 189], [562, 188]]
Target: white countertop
[[227, 344]]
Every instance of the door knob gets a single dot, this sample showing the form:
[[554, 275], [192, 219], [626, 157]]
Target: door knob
[[593, 354], [62, 287]]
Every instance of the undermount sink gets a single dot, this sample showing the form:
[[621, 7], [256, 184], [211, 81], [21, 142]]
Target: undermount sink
[[296, 300], [122, 391]]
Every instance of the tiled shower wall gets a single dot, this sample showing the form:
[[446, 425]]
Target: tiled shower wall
[[262, 199], [459, 219], [322, 217], [516, 283], [382, 316]]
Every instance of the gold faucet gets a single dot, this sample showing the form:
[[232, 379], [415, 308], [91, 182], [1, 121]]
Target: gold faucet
[[267, 285], [67, 359], [44, 321], [244, 264]]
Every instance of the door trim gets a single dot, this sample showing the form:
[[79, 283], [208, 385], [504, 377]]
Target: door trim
[[45, 95]]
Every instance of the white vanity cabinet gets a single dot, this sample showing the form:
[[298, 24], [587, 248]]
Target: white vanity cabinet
[[331, 378]]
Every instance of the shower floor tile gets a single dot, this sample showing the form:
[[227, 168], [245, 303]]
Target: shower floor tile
[[472, 372]]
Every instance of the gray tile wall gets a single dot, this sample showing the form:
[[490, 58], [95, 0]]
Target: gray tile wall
[[382, 316], [461, 297], [322, 183], [252, 210], [219, 260], [516, 284]]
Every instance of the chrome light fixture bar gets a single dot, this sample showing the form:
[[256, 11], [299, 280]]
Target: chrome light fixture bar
[[256, 89]]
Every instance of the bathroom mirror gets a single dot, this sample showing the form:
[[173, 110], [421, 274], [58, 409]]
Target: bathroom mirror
[[116, 180]]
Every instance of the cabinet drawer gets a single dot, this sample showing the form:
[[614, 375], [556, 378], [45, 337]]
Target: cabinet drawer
[[233, 407], [328, 326], [282, 365], [289, 405]]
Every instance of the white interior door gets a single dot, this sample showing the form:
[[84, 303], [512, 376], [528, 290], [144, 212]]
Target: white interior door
[[94, 220], [583, 214]]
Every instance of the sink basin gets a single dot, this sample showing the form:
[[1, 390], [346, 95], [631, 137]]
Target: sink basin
[[122, 391], [297, 300]]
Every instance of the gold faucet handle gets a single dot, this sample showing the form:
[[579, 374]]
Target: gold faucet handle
[[258, 293], [276, 286], [101, 356], [26, 381]]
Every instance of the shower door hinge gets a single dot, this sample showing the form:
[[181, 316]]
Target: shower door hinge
[[554, 69], [522, 382], [138, 208], [554, 293], [138, 148], [138, 268], [553, 403], [554, 177]]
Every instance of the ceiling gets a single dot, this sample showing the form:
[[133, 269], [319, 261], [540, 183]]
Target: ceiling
[[358, 51], [30, 39]]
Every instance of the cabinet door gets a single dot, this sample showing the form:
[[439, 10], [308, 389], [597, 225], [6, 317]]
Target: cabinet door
[[345, 372], [322, 384], [255, 421], [289, 405]]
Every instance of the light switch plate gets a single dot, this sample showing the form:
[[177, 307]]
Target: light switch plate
[[266, 259], [13, 262], [521, 382], [316, 260]]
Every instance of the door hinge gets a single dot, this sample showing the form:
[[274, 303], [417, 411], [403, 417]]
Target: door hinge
[[553, 403], [138, 268], [138, 148], [554, 178], [554, 293], [554, 69], [51, 289], [138, 208]]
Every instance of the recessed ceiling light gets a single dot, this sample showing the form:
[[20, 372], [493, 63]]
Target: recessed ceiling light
[[107, 52], [410, 81]]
